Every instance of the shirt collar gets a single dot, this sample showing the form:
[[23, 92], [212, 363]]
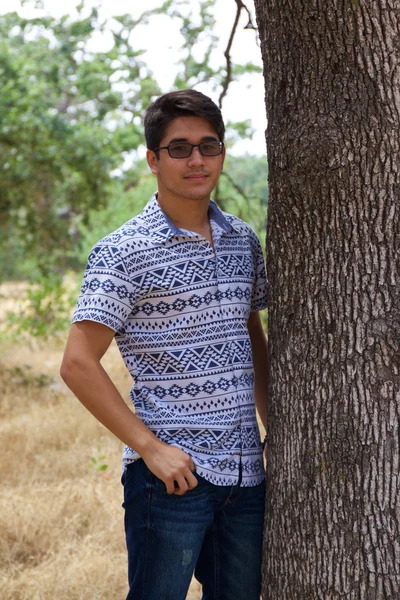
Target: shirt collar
[[163, 228]]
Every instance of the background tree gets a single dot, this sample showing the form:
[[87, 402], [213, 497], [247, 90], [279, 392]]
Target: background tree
[[332, 80]]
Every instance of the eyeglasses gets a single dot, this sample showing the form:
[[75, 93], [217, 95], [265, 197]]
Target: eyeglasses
[[184, 149]]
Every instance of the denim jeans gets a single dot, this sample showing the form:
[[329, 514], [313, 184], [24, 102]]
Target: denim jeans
[[213, 531]]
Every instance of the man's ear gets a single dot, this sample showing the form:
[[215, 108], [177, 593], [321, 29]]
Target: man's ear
[[152, 161]]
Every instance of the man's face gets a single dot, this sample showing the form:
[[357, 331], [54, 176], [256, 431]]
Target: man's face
[[193, 177]]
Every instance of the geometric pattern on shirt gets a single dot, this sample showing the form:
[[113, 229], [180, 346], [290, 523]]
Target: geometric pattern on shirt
[[180, 313], [208, 388], [186, 360], [215, 412], [211, 440]]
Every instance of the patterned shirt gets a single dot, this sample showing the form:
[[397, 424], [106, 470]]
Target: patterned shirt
[[179, 309]]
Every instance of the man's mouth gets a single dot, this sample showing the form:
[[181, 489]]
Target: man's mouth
[[196, 176]]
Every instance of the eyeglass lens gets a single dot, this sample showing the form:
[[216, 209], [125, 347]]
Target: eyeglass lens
[[183, 150]]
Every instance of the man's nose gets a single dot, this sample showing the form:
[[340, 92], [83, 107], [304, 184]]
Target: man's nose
[[196, 156]]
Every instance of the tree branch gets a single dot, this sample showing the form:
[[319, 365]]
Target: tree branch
[[237, 187], [239, 7]]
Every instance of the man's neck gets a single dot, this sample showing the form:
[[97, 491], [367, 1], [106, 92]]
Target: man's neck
[[187, 214]]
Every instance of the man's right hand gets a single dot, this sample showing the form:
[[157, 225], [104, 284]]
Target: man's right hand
[[173, 466]]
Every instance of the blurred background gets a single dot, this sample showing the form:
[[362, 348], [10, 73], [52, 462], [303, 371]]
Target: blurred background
[[75, 79]]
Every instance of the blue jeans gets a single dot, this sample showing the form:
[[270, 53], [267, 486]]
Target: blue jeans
[[213, 531]]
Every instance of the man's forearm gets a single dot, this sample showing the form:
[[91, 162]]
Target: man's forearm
[[94, 389], [91, 384]]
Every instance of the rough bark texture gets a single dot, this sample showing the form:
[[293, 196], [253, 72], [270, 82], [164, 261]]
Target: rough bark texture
[[332, 73]]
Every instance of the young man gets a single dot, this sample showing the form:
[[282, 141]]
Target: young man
[[180, 287]]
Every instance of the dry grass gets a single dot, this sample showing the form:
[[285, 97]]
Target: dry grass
[[61, 520], [12, 298]]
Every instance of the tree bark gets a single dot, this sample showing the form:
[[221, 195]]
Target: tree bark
[[332, 80]]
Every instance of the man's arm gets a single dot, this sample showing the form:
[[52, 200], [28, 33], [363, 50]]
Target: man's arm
[[259, 349], [82, 371]]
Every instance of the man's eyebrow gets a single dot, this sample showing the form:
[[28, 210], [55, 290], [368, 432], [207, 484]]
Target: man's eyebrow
[[205, 138]]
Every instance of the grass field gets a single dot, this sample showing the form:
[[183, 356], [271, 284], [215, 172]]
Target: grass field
[[61, 519]]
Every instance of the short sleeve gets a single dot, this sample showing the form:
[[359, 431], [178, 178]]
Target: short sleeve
[[259, 298], [107, 294]]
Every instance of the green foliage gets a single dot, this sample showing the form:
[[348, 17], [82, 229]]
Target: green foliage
[[24, 376], [239, 130], [49, 305], [63, 127], [238, 70], [97, 461], [128, 199], [197, 32]]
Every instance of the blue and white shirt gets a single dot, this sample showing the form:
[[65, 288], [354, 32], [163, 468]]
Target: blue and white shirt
[[179, 309]]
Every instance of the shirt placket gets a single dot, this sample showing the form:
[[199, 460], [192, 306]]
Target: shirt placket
[[220, 274]]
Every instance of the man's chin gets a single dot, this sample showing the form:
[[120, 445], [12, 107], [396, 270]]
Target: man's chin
[[192, 194], [197, 197]]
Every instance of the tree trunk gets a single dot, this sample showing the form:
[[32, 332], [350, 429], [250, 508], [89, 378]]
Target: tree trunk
[[332, 79]]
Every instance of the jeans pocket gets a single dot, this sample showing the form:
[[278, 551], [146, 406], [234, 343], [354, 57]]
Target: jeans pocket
[[137, 480]]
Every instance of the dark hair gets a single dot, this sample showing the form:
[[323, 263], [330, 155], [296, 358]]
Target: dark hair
[[182, 103]]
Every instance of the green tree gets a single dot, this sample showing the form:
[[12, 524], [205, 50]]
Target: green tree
[[64, 127]]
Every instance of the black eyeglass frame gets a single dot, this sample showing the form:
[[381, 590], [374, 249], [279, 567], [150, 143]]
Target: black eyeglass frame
[[220, 144]]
